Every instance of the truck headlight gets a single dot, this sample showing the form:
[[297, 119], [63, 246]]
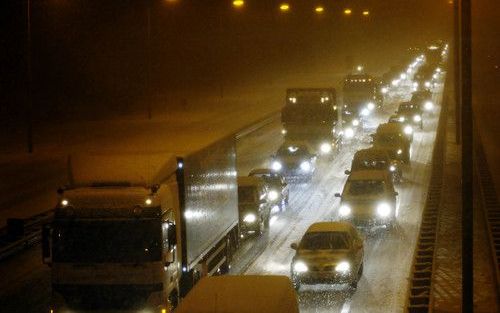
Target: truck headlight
[[417, 118], [273, 195], [305, 166], [355, 122], [344, 210], [277, 166], [349, 132], [428, 105], [383, 209], [325, 148], [370, 106], [300, 267], [392, 168], [408, 130], [400, 151], [343, 267], [250, 218]]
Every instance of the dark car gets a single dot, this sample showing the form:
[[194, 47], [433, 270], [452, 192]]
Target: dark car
[[389, 137], [295, 161], [375, 159], [253, 205], [423, 98], [278, 190], [410, 113]]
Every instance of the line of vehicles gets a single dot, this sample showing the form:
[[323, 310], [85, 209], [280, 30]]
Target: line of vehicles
[[136, 232]]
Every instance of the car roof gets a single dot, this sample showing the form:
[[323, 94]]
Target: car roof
[[329, 227], [249, 181], [369, 175]]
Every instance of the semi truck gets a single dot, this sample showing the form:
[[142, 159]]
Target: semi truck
[[312, 115], [135, 232]]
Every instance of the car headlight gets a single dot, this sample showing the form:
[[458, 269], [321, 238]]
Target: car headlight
[[250, 218], [400, 151], [395, 82], [355, 122], [417, 118], [428, 105], [370, 106], [402, 119], [272, 195], [344, 210], [305, 166], [408, 130], [283, 131], [300, 267], [365, 112], [384, 90], [349, 132], [383, 209], [392, 168], [277, 166], [343, 267], [427, 84], [325, 148], [415, 84]]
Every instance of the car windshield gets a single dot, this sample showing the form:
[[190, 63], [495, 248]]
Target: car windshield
[[388, 138], [246, 194], [268, 177], [293, 150], [120, 240], [325, 241], [365, 187]]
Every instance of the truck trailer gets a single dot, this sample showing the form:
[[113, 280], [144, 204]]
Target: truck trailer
[[135, 232]]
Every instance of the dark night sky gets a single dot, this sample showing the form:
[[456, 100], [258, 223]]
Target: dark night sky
[[88, 52]]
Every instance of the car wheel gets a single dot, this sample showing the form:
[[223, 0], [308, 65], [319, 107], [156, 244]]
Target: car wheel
[[296, 284]]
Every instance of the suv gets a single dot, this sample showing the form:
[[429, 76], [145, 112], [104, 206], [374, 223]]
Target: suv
[[410, 113], [278, 190], [375, 159], [329, 252], [295, 160], [369, 199], [389, 137], [254, 208]]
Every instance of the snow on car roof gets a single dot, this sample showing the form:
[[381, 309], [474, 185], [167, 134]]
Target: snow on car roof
[[369, 175], [329, 227], [373, 152], [242, 294]]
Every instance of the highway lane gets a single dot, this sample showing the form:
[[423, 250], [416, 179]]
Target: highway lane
[[388, 255]]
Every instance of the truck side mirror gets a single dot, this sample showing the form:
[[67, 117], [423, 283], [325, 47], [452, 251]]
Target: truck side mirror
[[347, 172], [47, 244], [294, 246], [337, 195]]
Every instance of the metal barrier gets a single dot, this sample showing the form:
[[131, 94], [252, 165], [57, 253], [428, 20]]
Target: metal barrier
[[490, 206], [419, 298]]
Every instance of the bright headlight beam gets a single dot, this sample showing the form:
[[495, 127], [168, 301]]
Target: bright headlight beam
[[305, 166], [408, 130], [344, 210], [343, 267], [383, 209], [417, 118], [325, 148], [276, 165], [273, 195], [250, 218], [300, 267], [370, 106], [349, 133]]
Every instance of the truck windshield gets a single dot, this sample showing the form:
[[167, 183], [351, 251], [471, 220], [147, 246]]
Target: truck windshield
[[111, 241], [366, 187], [246, 194], [308, 113], [325, 240]]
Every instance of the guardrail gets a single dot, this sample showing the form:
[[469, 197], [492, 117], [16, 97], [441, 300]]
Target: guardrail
[[419, 298], [20, 234], [490, 206]]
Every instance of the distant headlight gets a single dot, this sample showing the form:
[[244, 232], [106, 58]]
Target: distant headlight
[[383, 210], [343, 267], [300, 267], [365, 112], [355, 122], [395, 82], [277, 166], [384, 90], [370, 106], [325, 148], [392, 168], [250, 218], [427, 84], [272, 195], [417, 118], [344, 210], [349, 133], [415, 84], [283, 131], [400, 151], [402, 119], [305, 166], [408, 130], [428, 105]]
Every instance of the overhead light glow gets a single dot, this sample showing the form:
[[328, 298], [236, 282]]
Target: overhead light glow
[[284, 7], [366, 13]]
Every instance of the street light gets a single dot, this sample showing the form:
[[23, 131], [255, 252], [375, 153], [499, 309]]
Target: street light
[[284, 7], [238, 3], [347, 11], [366, 13], [319, 9]]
